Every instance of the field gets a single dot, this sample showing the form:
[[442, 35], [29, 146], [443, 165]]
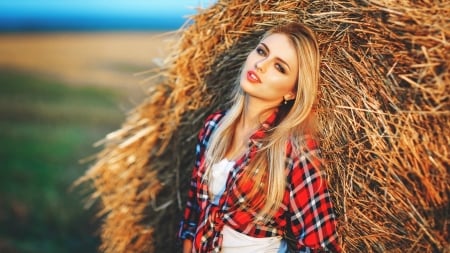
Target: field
[[59, 94]]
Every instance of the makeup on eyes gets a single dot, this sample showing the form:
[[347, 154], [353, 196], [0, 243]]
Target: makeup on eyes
[[267, 51]]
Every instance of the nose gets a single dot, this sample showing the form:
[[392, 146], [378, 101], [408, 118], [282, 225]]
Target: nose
[[260, 65]]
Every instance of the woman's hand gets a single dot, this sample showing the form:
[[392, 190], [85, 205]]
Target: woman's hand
[[187, 246]]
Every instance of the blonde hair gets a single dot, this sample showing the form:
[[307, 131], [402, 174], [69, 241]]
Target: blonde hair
[[294, 124]]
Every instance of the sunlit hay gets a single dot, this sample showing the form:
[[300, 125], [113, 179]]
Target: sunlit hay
[[384, 122]]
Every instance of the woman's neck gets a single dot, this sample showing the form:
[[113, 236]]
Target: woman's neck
[[254, 114], [250, 120]]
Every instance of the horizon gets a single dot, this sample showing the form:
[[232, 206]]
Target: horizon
[[96, 15]]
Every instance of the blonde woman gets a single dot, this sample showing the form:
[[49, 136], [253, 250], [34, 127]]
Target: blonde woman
[[257, 184]]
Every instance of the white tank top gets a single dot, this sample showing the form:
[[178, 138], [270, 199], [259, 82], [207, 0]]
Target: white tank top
[[234, 241], [218, 180]]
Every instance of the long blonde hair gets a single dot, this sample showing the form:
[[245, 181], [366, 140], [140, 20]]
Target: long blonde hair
[[295, 123]]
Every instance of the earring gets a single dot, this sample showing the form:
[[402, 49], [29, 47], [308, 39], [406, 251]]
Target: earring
[[285, 101]]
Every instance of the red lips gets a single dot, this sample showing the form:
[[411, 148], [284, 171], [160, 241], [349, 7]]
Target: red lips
[[253, 77]]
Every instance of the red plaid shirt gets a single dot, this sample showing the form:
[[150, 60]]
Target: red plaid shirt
[[306, 208]]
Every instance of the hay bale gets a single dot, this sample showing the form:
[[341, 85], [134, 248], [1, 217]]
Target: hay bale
[[384, 122]]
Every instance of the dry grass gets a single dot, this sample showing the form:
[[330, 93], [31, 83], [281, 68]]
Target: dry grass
[[384, 110]]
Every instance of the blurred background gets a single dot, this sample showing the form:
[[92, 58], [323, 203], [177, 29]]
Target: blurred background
[[69, 73]]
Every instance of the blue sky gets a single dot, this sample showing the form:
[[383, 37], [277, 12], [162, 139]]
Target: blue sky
[[96, 14]]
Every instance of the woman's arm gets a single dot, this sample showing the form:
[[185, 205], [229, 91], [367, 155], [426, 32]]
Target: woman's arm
[[312, 218], [187, 246], [192, 211]]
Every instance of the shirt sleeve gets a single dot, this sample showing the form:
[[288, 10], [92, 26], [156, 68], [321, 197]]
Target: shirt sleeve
[[188, 224], [312, 218]]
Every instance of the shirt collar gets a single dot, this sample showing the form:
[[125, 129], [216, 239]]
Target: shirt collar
[[258, 136]]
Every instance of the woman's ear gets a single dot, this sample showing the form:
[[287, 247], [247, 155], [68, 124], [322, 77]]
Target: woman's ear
[[289, 96]]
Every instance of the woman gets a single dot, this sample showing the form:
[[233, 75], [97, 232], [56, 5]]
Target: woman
[[256, 184]]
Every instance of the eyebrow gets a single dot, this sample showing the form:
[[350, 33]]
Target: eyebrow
[[278, 58]]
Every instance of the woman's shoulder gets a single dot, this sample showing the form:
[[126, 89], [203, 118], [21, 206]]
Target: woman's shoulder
[[302, 144], [311, 142], [215, 117], [304, 157], [211, 123]]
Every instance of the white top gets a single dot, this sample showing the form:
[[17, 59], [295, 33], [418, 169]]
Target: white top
[[218, 180], [234, 241]]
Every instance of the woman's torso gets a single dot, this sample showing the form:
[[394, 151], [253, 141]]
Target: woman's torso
[[234, 241]]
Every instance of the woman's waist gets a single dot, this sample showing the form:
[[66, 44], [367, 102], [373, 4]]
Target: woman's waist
[[235, 241], [245, 221]]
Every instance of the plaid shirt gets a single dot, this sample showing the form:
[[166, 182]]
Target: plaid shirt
[[306, 209]]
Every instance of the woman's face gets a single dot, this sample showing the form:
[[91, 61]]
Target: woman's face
[[270, 71]]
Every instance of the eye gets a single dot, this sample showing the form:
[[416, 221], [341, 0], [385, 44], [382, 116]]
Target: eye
[[260, 50], [280, 68]]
